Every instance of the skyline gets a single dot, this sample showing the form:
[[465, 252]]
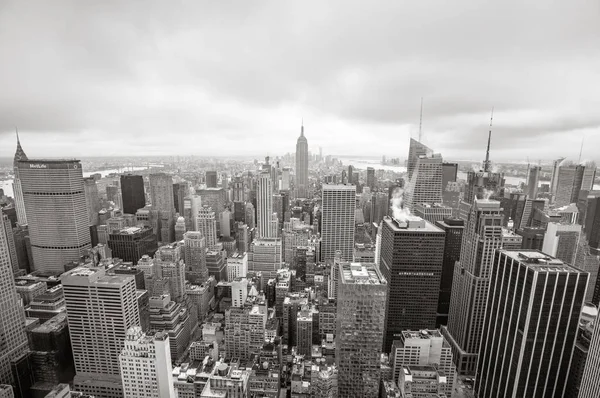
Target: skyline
[[123, 76]]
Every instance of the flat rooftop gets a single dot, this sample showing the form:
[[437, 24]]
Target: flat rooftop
[[540, 262], [413, 224], [422, 334], [361, 273]]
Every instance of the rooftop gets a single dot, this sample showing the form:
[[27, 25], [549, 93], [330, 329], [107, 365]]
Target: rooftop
[[540, 262], [411, 223], [359, 273], [422, 334]]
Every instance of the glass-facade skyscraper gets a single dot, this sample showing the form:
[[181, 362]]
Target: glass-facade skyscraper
[[132, 189]]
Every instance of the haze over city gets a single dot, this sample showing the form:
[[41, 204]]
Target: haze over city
[[236, 78]]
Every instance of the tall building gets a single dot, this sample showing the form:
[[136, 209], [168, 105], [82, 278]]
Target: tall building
[[180, 191], [425, 183], [454, 228], [302, 165], [17, 188], [423, 348], [161, 192], [264, 204], [146, 369], [54, 196], [92, 199], [590, 382], [412, 255], [207, 225], [13, 341], [554, 178], [195, 257], [265, 256], [132, 191], [530, 325], [97, 333], [589, 176], [580, 353], [415, 151], [191, 205], [337, 222], [371, 178], [131, 243], [570, 178], [245, 330], [211, 179], [561, 240], [481, 237], [533, 180], [360, 325]]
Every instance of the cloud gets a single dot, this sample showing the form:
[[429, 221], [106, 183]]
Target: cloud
[[236, 77]]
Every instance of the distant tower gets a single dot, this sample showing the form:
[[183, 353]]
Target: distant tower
[[211, 179], [360, 324], [54, 196], [531, 324], [13, 341], [207, 224], [161, 192], [425, 185], [416, 150], [195, 256], [533, 181], [570, 178], [132, 189], [264, 204], [98, 335], [302, 165], [554, 179], [337, 230], [17, 189], [481, 237]]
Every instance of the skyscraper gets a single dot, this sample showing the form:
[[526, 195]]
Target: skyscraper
[[302, 165], [416, 150], [264, 203], [211, 179], [590, 383], [207, 225], [360, 325], [146, 369], [13, 341], [195, 256], [454, 228], [337, 223], [161, 192], [530, 325], [100, 308], [132, 189], [481, 237], [425, 183], [554, 178], [561, 240], [180, 191], [533, 180], [54, 196], [412, 254], [17, 189], [570, 178], [92, 199], [371, 178]]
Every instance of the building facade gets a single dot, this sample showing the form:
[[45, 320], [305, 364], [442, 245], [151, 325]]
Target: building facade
[[337, 222]]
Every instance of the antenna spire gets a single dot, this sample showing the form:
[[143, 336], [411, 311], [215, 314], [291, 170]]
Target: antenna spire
[[581, 149], [302, 128], [486, 163], [421, 121], [17, 132]]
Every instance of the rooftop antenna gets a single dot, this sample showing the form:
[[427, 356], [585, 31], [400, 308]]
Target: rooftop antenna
[[421, 121], [581, 149], [302, 128], [486, 163]]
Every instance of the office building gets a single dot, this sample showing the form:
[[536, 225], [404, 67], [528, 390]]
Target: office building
[[360, 325], [453, 227], [174, 319], [191, 205], [337, 222], [412, 256], [237, 266], [17, 187], [245, 330], [570, 178], [13, 341], [590, 382], [530, 325], [285, 179], [432, 212], [98, 335], [585, 331], [291, 304], [561, 240], [425, 347], [481, 237], [207, 225], [161, 192], [533, 238], [132, 191], [265, 256], [589, 176], [211, 179], [371, 178], [425, 183], [589, 261], [146, 365], [422, 380], [180, 191], [194, 247], [92, 199], [264, 203], [54, 196], [415, 151], [301, 182], [5, 224], [554, 178], [179, 228], [131, 243], [305, 327], [533, 181]]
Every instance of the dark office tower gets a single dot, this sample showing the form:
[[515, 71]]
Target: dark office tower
[[481, 237], [132, 189], [161, 192], [130, 244], [337, 230], [454, 228], [449, 173], [528, 211], [533, 238], [302, 165], [412, 255], [211, 179], [513, 206], [533, 180], [180, 191], [371, 178], [585, 332], [238, 190], [570, 178], [54, 196], [13, 341], [17, 189], [416, 150], [360, 324], [92, 199], [530, 325], [591, 224], [350, 174], [590, 382], [195, 257]]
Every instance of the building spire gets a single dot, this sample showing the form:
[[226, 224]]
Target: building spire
[[19, 153], [486, 162], [302, 128]]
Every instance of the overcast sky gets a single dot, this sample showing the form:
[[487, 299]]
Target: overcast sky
[[84, 78]]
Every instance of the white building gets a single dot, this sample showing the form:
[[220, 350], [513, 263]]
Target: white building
[[239, 292], [146, 369], [337, 224], [237, 266], [264, 205], [207, 224]]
